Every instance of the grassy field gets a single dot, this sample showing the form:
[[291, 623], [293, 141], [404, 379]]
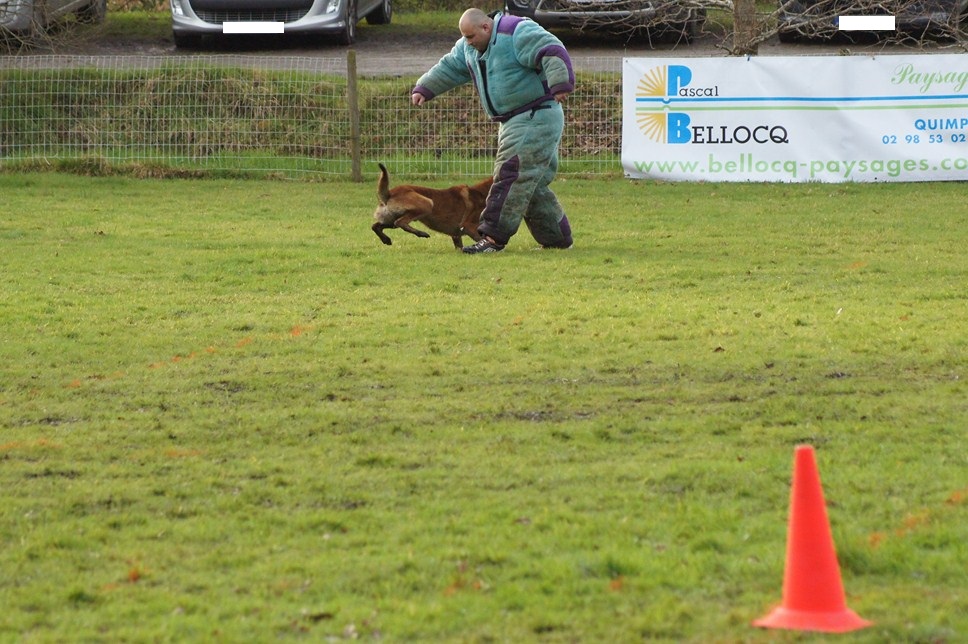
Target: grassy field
[[228, 413]]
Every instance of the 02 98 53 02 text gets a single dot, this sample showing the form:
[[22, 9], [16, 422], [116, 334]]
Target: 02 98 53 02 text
[[748, 166]]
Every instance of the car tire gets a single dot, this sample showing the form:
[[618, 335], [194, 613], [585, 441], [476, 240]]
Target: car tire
[[39, 21], [382, 15], [348, 35], [94, 13]]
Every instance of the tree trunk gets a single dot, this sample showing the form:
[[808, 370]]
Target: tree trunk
[[744, 27]]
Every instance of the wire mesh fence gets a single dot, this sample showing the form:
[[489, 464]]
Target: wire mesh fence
[[285, 117]]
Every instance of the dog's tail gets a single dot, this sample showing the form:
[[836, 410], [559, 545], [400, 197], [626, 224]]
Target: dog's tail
[[383, 185]]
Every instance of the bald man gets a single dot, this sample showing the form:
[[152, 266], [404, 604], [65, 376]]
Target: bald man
[[522, 73]]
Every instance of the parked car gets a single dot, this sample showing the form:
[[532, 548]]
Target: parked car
[[192, 19], [818, 19], [617, 16], [26, 18]]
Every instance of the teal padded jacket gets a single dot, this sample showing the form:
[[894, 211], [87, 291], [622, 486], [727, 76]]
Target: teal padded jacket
[[523, 67]]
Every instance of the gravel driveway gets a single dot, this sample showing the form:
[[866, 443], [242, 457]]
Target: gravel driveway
[[382, 51]]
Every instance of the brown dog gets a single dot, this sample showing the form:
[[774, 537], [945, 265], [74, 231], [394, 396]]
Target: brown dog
[[452, 211]]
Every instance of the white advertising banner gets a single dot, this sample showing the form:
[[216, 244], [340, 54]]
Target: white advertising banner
[[791, 119]]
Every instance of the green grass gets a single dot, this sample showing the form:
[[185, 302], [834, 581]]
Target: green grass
[[136, 25], [227, 413], [252, 122]]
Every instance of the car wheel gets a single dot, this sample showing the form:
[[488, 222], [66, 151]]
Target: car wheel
[[348, 35], [93, 13], [39, 21], [381, 15]]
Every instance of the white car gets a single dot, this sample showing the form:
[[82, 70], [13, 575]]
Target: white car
[[25, 18], [192, 19]]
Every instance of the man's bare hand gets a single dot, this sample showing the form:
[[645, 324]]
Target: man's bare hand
[[417, 99]]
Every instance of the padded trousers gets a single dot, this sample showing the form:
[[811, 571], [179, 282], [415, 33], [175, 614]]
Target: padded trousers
[[527, 161]]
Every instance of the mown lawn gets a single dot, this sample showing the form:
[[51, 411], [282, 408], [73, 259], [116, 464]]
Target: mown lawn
[[228, 413]]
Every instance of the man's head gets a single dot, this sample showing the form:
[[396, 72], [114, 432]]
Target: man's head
[[475, 26]]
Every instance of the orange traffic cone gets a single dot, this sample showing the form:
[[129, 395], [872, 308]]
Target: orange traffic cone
[[813, 595]]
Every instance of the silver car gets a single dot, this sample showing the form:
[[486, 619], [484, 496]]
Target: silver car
[[29, 17], [192, 19]]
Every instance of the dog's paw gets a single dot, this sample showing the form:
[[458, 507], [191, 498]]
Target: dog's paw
[[387, 241], [421, 233]]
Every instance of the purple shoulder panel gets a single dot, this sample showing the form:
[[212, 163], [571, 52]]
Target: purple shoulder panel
[[558, 51], [555, 50], [508, 24]]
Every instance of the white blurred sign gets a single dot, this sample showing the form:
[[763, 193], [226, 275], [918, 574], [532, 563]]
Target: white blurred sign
[[791, 119], [865, 23], [253, 27]]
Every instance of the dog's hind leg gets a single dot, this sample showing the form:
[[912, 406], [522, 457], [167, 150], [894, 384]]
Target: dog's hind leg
[[403, 223], [378, 229], [414, 231]]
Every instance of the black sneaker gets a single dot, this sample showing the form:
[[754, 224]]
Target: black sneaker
[[485, 245]]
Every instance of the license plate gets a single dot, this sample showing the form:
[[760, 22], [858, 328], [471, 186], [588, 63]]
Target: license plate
[[253, 27]]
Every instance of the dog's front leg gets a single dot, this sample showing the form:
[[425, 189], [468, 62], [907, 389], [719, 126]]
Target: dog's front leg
[[469, 228]]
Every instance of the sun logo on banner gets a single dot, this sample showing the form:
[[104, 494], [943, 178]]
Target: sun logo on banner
[[653, 85]]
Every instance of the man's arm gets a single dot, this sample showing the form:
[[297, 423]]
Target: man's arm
[[540, 49], [449, 72]]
